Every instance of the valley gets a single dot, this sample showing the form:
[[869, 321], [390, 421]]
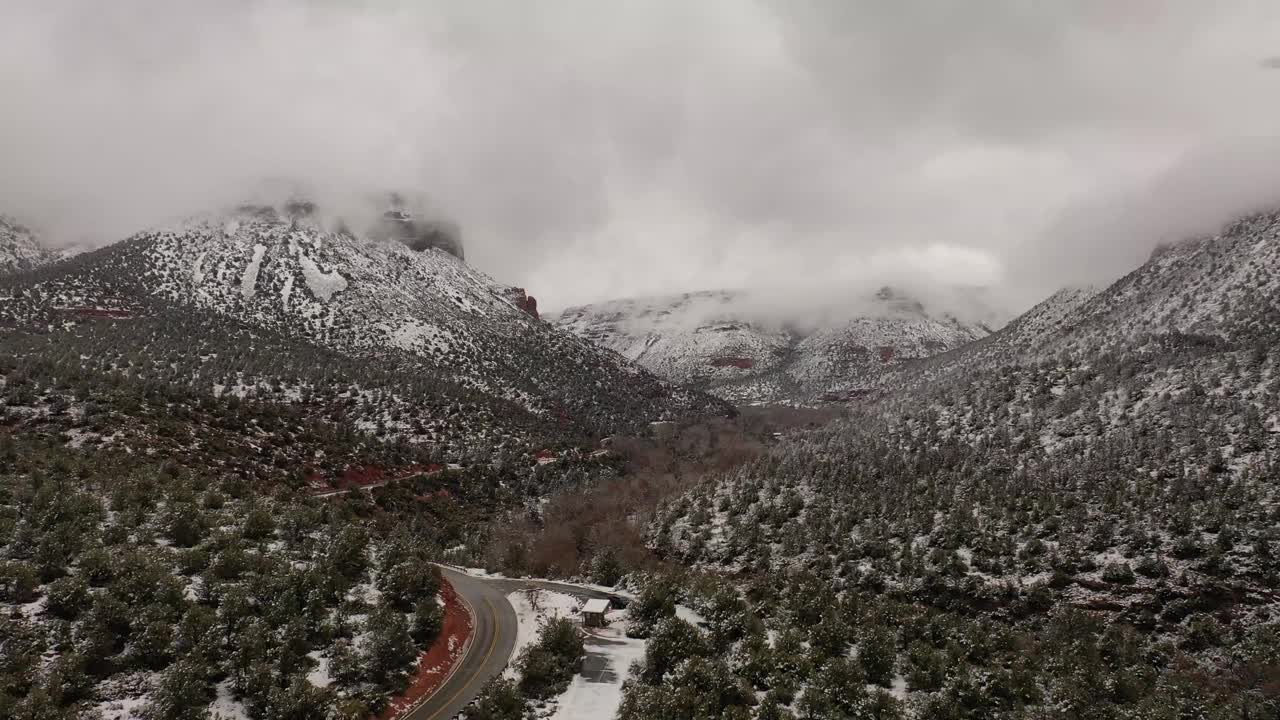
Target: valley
[[660, 360], [235, 450], [736, 345]]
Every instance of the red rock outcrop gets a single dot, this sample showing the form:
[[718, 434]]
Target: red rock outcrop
[[524, 301]]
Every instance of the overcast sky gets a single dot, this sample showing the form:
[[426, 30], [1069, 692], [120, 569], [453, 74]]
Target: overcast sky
[[601, 148]]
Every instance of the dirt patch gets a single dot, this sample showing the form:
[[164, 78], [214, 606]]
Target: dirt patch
[[353, 477], [436, 661]]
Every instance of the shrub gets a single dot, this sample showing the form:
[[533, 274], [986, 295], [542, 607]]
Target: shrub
[[499, 700], [404, 584], [428, 618], [183, 694], [68, 596], [656, 601], [1118, 572], [389, 646], [1152, 567], [19, 582], [548, 665]]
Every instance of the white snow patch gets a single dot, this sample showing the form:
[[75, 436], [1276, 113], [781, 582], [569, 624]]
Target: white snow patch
[[320, 675], [598, 693], [286, 292], [898, 688], [690, 616], [124, 709], [226, 707], [322, 284], [32, 609], [197, 272], [366, 592], [476, 572], [192, 589], [415, 335], [534, 607], [249, 280]]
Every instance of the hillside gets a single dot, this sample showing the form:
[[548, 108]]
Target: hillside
[[1087, 499], [20, 248], [272, 427], [430, 325], [1074, 516], [1223, 286], [1219, 289], [732, 344]]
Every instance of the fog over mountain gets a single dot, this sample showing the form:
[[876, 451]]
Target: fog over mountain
[[634, 359], [595, 150]]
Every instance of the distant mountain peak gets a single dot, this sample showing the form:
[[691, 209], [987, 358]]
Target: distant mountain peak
[[385, 217], [753, 347], [306, 277], [20, 247]]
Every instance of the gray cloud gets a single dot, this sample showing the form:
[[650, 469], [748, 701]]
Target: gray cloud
[[591, 149]]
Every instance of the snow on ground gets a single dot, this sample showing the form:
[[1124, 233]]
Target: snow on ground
[[477, 572], [319, 676], [482, 573], [690, 616], [366, 592], [249, 281], [286, 292], [322, 284], [226, 707], [597, 691], [32, 609], [126, 709], [416, 335], [534, 606], [197, 272]]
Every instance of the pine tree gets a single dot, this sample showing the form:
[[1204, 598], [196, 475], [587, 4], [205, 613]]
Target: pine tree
[[183, 693], [389, 647]]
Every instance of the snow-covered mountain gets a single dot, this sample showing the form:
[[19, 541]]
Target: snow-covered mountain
[[20, 248], [734, 345], [285, 271], [1219, 289], [1225, 286], [1111, 450]]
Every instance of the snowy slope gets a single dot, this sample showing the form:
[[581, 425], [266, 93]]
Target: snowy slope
[[1220, 288], [266, 268], [1204, 307], [1227, 286], [683, 336], [19, 248], [728, 343]]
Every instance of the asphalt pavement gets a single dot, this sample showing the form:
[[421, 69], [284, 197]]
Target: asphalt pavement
[[492, 640]]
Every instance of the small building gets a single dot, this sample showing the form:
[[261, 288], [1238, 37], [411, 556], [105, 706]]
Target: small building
[[593, 612]]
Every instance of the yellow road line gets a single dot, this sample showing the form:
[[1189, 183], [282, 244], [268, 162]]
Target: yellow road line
[[493, 644]]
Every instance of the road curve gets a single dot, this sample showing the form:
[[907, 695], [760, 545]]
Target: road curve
[[492, 640], [510, 585]]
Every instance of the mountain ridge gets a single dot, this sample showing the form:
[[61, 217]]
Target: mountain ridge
[[423, 309], [20, 247], [733, 344]]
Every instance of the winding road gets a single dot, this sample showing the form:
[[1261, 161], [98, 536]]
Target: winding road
[[493, 638]]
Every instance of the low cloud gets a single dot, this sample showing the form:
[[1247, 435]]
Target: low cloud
[[593, 150]]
